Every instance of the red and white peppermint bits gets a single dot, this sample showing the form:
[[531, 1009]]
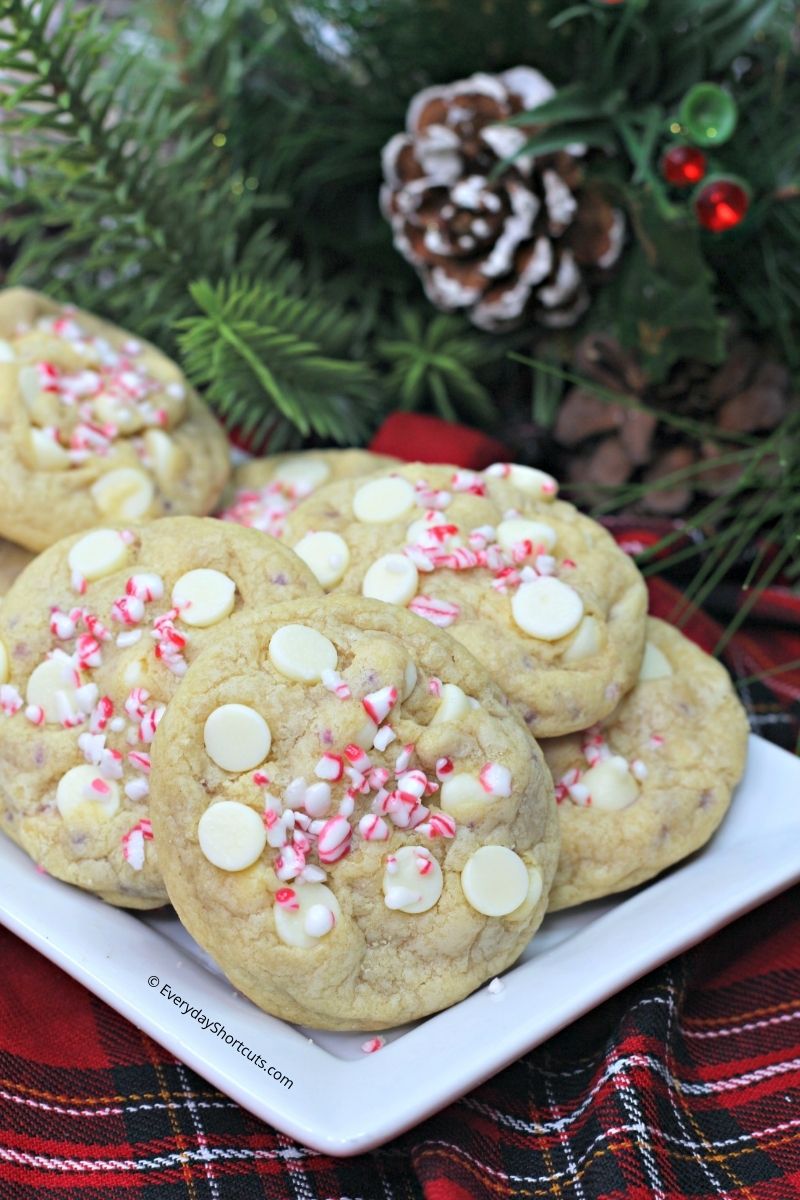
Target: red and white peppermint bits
[[330, 767], [358, 758], [287, 898], [438, 612], [468, 481], [439, 824], [373, 828], [333, 841], [128, 610], [444, 768], [495, 779], [333, 682], [145, 587], [133, 843], [378, 705]]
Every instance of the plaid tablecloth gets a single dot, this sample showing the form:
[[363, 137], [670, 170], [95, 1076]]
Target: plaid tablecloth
[[687, 1084]]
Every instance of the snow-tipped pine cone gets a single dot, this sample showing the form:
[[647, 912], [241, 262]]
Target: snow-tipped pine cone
[[504, 247]]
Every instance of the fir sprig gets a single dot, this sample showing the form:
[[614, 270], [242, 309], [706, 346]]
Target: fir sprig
[[266, 359], [437, 358], [121, 192]]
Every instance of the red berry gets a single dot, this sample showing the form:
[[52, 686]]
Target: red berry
[[721, 204], [683, 165]]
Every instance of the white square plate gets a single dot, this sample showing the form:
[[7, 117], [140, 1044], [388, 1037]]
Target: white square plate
[[343, 1101]]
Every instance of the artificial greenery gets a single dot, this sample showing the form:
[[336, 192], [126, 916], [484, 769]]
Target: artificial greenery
[[207, 175], [146, 156]]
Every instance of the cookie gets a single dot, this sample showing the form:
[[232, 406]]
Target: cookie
[[541, 594], [95, 637], [651, 783], [350, 817], [96, 426], [13, 560], [265, 490]]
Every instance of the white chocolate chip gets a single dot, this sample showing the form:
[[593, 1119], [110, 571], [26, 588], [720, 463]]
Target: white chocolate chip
[[30, 384], [53, 688], [610, 784], [135, 673], [547, 609], [412, 881], [303, 473], [454, 704], [326, 554], [97, 554], [392, 578], [4, 666], [304, 925], [585, 643], [83, 788], [516, 529], [527, 479], [409, 679], [6, 351], [236, 737], [535, 886], [655, 664], [163, 456], [495, 881], [301, 653], [464, 797], [231, 835], [126, 493], [384, 499], [48, 454], [204, 597]]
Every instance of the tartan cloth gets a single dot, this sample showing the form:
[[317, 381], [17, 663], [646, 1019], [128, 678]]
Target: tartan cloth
[[686, 1084]]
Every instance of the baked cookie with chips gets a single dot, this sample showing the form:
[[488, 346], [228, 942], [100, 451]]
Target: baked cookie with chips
[[265, 490], [95, 426], [351, 819], [540, 593], [651, 783], [95, 637]]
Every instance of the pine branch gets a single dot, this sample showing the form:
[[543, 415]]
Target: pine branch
[[266, 357], [135, 191], [437, 360]]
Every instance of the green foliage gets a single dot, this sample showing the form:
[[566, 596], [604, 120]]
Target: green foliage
[[265, 357], [670, 311], [137, 195], [643, 57], [239, 143], [436, 358]]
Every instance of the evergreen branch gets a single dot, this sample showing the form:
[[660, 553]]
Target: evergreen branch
[[266, 357], [437, 360]]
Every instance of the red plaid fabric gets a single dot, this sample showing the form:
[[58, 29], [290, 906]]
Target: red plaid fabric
[[687, 1084]]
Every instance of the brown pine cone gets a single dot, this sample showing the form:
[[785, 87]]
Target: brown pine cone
[[501, 246], [607, 443]]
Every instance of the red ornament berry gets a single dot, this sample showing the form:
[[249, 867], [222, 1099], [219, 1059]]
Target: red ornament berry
[[721, 204], [683, 165]]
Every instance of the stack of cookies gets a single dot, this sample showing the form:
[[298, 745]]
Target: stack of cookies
[[364, 731]]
